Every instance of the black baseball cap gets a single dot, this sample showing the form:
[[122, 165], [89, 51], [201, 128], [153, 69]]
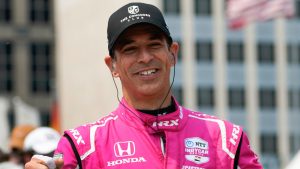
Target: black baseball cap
[[131, 14]]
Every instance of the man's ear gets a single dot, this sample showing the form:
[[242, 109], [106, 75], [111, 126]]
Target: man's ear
[[111, 64], [174, 48]]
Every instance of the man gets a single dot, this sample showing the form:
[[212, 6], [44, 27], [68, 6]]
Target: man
[[149, 129]]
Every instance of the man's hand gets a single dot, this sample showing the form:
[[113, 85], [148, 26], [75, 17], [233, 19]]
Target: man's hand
[[44, 162]]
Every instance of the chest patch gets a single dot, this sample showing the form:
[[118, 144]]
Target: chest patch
[[196, 150]]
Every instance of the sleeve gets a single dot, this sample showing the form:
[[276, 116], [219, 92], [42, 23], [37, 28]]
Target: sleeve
[[64, 148], [247, 158]]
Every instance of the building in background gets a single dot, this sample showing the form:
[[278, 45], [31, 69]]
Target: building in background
[[27, 54], [205, 38], [213, 74]]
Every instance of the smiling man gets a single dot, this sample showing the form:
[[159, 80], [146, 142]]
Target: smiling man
[[149, 129], [142, 59]]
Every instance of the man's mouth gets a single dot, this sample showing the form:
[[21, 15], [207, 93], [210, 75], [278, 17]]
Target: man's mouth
[[148, 72]]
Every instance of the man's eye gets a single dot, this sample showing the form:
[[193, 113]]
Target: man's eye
[[155, 45], [129, 49]]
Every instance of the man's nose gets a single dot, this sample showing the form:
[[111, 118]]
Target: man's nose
[[145, 56]]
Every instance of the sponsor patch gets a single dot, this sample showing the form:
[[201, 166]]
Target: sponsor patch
[[168, 123], [196, 150], [123, 149], [134, 14], [234, 134], [125, 153], [191, 167], [77, 136]]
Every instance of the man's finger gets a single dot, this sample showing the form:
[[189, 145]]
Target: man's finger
[[59, 162], [48, 161], [36, 163]]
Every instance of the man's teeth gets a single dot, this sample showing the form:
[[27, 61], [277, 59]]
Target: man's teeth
[[148, 72]]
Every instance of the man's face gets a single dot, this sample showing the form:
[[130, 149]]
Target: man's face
[[143, 60]]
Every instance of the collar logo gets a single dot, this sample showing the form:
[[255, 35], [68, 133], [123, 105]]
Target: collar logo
[[124, 149], [168, 123], [133, 9]]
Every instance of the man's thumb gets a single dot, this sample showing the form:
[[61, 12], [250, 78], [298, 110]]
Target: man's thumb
[[59, 162]]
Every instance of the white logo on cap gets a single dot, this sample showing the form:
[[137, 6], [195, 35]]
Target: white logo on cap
[[133, 10]]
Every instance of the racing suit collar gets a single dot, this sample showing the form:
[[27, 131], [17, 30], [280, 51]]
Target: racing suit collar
[[153, 124]]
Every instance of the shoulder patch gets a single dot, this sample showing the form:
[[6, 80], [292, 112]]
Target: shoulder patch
[[230, 133], [84, 136]]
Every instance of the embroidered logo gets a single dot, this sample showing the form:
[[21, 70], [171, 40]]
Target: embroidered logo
[[168, 123], [234, 134], [133, 9], [77, 136], [134, 14], [124, 149], [196, 150], [125, 152]]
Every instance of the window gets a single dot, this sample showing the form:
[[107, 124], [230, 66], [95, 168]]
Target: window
[[294, 99], [266, 53], [45, 118], [294, 143], [41, 67], [203, 7], [171, 6], [6, 67], [204, 51], [297, 6], [267, 98], [5, 11], [268, 143], [39, 11], [293, 52], [177, 93], [235, 52], [11, 119], [205, 97], [236, 98]]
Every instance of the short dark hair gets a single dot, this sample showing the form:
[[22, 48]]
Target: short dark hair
[[156, 32]]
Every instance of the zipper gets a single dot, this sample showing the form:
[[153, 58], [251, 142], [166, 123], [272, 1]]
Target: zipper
[[162, 145]]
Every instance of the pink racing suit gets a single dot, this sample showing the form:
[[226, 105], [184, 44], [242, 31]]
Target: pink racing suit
[[179, 140]]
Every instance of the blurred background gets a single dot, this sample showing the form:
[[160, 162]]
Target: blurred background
[[238, 60]]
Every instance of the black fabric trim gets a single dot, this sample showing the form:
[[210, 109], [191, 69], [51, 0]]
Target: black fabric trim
[[237, 154], [171, 108], [74, 150]]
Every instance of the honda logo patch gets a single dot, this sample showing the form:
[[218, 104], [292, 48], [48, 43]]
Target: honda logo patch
[[124, 149]]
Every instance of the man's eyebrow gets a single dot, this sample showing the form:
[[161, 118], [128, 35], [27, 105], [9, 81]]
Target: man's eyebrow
[[124, 41], [155, 36]]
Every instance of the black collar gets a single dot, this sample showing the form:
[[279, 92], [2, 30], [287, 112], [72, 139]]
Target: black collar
[[171, 108]]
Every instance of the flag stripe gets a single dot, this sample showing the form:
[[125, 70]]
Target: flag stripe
[[241, 12]]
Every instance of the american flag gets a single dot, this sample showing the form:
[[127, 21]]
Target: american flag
[[241, 12]]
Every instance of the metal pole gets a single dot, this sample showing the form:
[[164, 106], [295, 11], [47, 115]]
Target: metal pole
[[282, 104], [220, 59], [188, 58], [251, 87]]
